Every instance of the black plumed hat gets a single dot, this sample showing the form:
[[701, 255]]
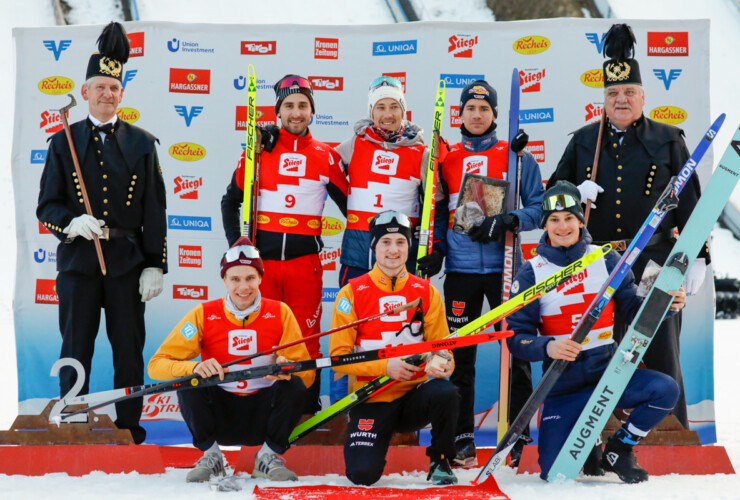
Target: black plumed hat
[[113, 52], [619, 46]]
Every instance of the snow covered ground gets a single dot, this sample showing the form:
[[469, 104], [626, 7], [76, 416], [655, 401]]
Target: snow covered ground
[[725, 39]]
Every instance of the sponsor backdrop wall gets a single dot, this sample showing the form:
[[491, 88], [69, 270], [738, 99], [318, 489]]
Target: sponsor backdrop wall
[[186, 84]]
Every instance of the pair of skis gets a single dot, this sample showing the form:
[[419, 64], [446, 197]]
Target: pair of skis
[[251, 162], [637, 340], [667, 201], [492, 317]]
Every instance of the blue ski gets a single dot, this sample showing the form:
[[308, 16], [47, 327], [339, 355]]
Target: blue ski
[[666, 202], [636, 341]]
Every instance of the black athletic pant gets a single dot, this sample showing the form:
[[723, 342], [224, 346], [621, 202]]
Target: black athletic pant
[[372, 424], [81, 297], [268, 416], [464, 295]]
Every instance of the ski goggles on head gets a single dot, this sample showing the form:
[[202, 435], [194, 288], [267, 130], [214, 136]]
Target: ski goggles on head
[[388, 217], [248, 251], [383, 81], [294, 81], [559, 202]]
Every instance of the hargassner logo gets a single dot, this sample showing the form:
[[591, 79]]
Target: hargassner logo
[[136, 44], [456, 81], [395, 48], [51, 45]]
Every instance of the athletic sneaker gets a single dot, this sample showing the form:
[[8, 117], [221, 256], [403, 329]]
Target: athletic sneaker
[[210, 464], [592, 467], [620, 458], [440, 472], [272, 466], [466, 455]]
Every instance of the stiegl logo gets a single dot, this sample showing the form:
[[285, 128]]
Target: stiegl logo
[[476, 164], [462, 45], [187, 186], [391, 302], [384, 162], [292, 164]]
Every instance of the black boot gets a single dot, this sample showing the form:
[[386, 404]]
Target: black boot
[[592, 467], [619, 457]]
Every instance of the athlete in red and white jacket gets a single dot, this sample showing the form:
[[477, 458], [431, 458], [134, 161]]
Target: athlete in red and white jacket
[[296, 173]]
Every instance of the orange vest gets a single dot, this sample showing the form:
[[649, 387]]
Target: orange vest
[[225, 341]]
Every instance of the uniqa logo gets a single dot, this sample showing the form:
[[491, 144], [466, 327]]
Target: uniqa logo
[[56, 85], [187, 151], [129, 115], [331, 226], [593, 78], [671, 115], [529, 45]]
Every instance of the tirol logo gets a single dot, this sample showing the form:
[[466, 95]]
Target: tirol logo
[[529, 79], [530, 45], [598, 42], [258, 48], [56, 85], [195, 292], [55, 49], [536, 115], [462, 45], [187, 186], [136, 44], [329, 258], [476, 164], [326, 48], [292, 164], [188, 115], [162, 406], [384, 162], [242, 342], [458, 307], [661, 75], [187, 151], [189, 222], [671, 115], [190, 256], [265, 115], [46, 292], [401, 77], [365, 424], [190, 81], [129, 115], [537, 148], [455, 120], [327, 82], [38, 156], [674, 43], [51, 123], [593, 78], [455, 81], [394, 48], [390, 302], [331, 226], [594, 111]]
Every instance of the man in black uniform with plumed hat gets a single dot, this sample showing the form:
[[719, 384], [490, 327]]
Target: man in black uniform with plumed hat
[[637, 159], [123, 179]]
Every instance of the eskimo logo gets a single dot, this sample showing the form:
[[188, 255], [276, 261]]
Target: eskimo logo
[[529, 79], [242, 342], [660, 74], [55, 49], [292, 164], [394, 48], [384, 163], [477, 164], [594, 38], [187, 186], [462, 45], [455, 81], [536, 115], [191, 223]]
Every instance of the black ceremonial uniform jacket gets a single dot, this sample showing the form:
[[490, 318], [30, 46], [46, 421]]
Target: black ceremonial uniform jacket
[[126, 190], [633, 175]]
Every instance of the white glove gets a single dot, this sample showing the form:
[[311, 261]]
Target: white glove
[[589, 191], [84, 225], [696, 275], [151, 283]]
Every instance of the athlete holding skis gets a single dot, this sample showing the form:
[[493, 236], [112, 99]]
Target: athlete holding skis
[[637, 159], [411, 404], [475, 261], [250, 412], [295, 174], [650, 393]]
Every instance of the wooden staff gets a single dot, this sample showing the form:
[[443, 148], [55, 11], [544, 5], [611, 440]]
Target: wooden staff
[[595, 167]]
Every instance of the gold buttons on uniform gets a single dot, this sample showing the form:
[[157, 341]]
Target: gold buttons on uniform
[[130, 189], [614, 145], [619, 230], [97, 139], [105, 188], [134, 177], [128, 203], [619, 190], [101, 163], [619, 202], [647, 191], [99, 151], [618, 216], [82, 201], [619, 167], [130, 196], [105, 200], [105, 176], [105, 213], [79, 193]]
